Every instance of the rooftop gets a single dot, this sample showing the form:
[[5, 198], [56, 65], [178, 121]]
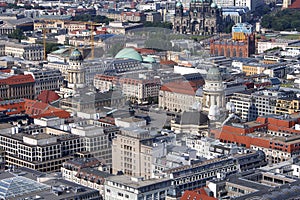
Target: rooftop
[[136, 184]]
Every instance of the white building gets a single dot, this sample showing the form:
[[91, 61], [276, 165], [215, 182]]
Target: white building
[[135, 188], [251, 4], [97, 140]]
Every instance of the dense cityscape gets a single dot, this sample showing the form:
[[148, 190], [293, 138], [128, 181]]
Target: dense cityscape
[[150, 100]]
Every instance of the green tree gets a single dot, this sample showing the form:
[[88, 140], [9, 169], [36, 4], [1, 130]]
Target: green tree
[[17, 34]]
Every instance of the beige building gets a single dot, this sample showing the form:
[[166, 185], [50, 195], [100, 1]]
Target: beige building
[[141, 88], [177, 96], [132, 153], [32, 52]]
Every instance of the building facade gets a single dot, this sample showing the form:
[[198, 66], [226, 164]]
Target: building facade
[[132, 153], [126, 187], [17, 86], [177, 96], [32, 52], [46, 79], [242, 43], [31, 147]]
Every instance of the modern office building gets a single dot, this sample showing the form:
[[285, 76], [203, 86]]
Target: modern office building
[[31, 147]]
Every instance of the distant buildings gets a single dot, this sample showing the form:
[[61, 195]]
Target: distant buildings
[[203, 18]]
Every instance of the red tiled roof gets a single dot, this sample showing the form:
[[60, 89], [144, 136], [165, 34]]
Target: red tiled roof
[[17, 79], [167, 62], [145, 51], [38, 109], [182, 87], [5, 70], [48, 96], [295, 5], [198, 194]]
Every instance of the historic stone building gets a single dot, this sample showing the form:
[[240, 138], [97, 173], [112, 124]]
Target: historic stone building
[[203, 18], [241, 44]]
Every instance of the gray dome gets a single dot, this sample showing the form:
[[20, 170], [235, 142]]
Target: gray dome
[[76, 55], [214, 74]]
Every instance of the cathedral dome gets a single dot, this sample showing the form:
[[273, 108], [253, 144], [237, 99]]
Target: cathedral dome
[[129, 53], [178, 4], [76, 55], [214, 74]]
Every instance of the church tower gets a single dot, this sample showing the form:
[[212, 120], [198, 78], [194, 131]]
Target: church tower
[[214, 95], [76, 71]]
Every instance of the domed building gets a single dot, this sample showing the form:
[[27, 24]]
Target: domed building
[[76, 71], [129, 53], [213, 101], [204, 18]]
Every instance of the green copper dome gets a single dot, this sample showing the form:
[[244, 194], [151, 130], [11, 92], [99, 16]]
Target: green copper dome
[[129, 53], [178, 4], [149, 59], [214, 74], [76, 55]]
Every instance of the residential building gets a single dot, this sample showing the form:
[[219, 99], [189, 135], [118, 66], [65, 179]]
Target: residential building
[[136, 188], [210, 148], [287, 105], [275, 135], [251, 105], [46, 79], [31, 147], [85, 172], [132, 153], [190, 177]]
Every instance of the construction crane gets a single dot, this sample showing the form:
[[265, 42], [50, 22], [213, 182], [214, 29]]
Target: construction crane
[[92, 41], [44, 43]]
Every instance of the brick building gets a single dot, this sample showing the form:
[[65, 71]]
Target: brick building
[[276, 136], [242, 43]]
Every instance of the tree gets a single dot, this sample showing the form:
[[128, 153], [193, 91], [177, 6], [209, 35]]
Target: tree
[[17, 34]]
